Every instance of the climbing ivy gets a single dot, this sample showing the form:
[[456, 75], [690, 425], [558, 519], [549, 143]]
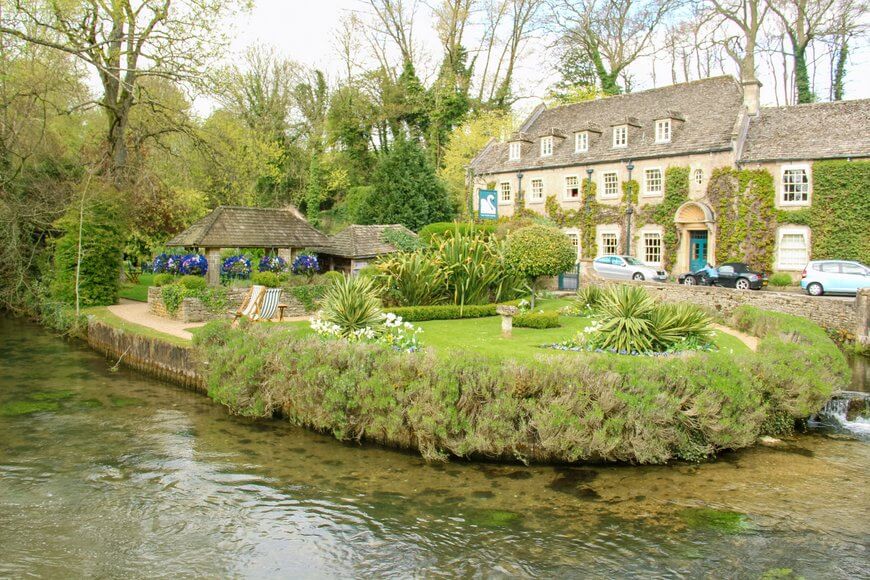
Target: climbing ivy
[[676, 194], [745, 216], [630, 189], [840, 212]]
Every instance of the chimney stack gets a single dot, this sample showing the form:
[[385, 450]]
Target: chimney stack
[[751, 96]]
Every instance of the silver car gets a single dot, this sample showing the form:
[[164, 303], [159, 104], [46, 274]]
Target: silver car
[[834, 277], [626, 268]]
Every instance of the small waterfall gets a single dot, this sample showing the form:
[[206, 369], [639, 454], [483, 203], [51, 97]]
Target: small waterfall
[[849, 410]]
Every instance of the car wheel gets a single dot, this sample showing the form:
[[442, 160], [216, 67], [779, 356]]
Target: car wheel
[[638, 277], [815, 289], [689, 281], [742, 284]]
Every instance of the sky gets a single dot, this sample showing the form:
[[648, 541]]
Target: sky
[[303, 30]]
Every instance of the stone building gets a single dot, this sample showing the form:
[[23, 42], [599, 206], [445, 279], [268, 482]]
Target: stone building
[[280, 231], [354, 247], [701, 125]]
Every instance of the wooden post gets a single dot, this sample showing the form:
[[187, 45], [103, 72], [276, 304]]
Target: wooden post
[[507, 319]]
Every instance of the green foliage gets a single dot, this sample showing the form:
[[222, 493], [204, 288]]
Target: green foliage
[[164, 279], [309, 294], [475, 269], [537, 320], [746, 217], [537, 251], [408, 191], [674, 323], [357, 204], [780, 279], [267, 279], [627, 326], [630, 189], [430, 232], [444, 312], [561, 407], [101, 228], [676, 194], [401, 240], [840, 210], [193, 282], [588, 298], [315, 191], [412, 279], [331, 276], [352, 304]]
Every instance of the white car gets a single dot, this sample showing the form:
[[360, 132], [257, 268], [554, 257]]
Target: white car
[[626, 268]]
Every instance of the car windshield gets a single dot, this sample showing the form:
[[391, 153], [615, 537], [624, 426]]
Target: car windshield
[[632, 261]]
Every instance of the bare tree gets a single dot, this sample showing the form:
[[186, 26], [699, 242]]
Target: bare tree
[[394, 19], [747, 16], [612, 33], [125, 41], [848, 21]]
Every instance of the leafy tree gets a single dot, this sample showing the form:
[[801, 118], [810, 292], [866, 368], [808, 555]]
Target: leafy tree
[[537, 251], [315, 191], [407, 190], [87, 257]]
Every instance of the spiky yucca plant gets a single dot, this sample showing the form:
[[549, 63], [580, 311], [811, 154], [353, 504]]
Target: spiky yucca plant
[[673, 323], [626, 312], [352, 304]]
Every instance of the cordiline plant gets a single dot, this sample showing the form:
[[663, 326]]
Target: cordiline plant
[[471, 266], [413, 279], [627, 327], [352, 304]]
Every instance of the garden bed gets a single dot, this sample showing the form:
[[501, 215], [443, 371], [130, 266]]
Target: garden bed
[[559, 407]]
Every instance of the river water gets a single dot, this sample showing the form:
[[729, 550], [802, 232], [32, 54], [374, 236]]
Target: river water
[[111, 474]]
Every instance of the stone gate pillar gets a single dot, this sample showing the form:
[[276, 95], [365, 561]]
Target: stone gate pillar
[[862, 316], [213, 257]]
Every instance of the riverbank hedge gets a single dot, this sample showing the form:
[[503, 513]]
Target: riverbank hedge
[[562, 408]]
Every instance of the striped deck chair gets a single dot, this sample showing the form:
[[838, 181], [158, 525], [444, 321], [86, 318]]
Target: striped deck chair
[[268, 304], [251, 304]]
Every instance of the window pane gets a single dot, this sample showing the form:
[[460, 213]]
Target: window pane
[[505, 191], [699, 176], [795, 185], [608, 244], [537, 189], [652, 248], [572, 187], [792, 251], [852, 269], [653, 181], [611, 185]]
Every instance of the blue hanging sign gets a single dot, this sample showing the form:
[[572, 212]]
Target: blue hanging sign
[[487, 204]]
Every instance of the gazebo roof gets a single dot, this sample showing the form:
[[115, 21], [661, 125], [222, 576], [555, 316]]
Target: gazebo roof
[[357, 241], [250, 227]]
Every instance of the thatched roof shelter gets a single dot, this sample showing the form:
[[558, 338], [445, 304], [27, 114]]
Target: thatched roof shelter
[[250, 227], [362, 242]]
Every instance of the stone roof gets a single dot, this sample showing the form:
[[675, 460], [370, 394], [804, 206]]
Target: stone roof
[[811, 131], [704, 114], [250, 227], [358, 241]]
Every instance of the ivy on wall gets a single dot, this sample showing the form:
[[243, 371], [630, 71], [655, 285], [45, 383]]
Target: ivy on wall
[[840, 212], [663, 214], [746, 217]]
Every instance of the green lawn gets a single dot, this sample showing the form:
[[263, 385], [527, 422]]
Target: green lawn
[[483, 335], [138, 292], [102, 314]]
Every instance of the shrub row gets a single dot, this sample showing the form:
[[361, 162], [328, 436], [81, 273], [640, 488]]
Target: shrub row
[[537, 320], [441, 229], [591, 407], [443, 312]]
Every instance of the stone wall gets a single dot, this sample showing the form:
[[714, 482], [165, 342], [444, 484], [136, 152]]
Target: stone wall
[[193, 309], [156, 357], [832, 313]]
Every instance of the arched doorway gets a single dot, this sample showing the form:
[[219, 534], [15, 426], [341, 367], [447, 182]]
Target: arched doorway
[[696, 230]]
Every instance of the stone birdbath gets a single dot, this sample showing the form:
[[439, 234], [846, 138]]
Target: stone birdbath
[[507, 318]]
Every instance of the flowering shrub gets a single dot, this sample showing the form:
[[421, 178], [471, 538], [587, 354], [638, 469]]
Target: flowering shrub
[[272, 264], [236, 267], [305, 264], [193, 265], [187, 264], [392, 331]]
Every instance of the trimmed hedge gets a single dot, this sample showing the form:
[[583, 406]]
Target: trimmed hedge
[[448, 228], [537, 320], [443, 312], [564, 407]]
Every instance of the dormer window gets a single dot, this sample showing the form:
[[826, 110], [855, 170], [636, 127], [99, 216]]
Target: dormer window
[[620, 136], [663, 131], [581, 142], [515, 150], [546, 146]]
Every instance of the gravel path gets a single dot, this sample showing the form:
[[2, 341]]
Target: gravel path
[[750, 341], [137, 313]]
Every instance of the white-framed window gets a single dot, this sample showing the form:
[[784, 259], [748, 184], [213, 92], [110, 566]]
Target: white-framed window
[[581, 142], [698, 176], [651, 248], [572, 187], [653, 184], [546, 146], [505, 195], [792, 248], [516, 149], [574, 236], [795, 185], [620, 136], [537, 193], [610, 184], [608, 244], [663, 131]]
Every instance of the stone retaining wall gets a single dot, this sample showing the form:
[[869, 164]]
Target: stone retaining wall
[[831, 313], [153, 356], [193, 309]]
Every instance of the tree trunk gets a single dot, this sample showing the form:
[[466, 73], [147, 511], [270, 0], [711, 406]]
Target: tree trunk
[[840, 71]]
